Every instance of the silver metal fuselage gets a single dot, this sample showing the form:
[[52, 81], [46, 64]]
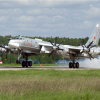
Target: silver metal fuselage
[[32, 46]]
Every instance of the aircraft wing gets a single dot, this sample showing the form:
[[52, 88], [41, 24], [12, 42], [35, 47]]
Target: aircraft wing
[[47, 47], [45, 44], [74, 48]]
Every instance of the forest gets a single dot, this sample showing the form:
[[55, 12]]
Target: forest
[[42, 58]]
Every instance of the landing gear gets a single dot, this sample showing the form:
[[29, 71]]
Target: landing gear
[[77, 65], [17, 61], [73, 65], [70, 65], [25, 63], [30, 63]]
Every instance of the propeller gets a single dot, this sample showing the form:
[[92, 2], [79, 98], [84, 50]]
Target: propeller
[[1, 44], [86, 49], [9, 38], [55, 46], [7, 54]]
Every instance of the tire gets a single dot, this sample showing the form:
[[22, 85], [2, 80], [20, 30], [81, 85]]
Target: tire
[[70, 65], [30, 63], [23, 64], [74, 65], [77, 65], [26, 64], [16, 61]]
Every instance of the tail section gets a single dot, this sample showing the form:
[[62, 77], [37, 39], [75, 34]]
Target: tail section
[[94, 38]]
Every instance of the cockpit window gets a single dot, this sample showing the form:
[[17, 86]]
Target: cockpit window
[[17, 38]]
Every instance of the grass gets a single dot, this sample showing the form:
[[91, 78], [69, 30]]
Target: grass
[[19, 65], [34, 84]]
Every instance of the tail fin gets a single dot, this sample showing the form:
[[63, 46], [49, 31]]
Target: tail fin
[[94, 38]]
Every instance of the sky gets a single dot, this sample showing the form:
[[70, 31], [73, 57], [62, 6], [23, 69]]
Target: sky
[[46, 18]]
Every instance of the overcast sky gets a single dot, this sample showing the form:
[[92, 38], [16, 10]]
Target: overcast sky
[[46, 18]]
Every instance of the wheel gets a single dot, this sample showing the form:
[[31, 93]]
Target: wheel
[[77, 65], [30, 63], [74, 65], [17, 61], [70, 65], [23, 64], [26, 64]]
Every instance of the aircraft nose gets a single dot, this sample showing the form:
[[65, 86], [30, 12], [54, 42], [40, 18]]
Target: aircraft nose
[[12, 41], [13, 45]]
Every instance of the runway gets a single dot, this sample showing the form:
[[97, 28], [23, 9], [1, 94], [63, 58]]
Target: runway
[[45, 68]]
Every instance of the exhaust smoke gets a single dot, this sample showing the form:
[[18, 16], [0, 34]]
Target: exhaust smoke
[[87, 63]]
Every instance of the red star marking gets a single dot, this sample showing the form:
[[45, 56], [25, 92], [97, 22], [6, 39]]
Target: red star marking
[[94, 38]]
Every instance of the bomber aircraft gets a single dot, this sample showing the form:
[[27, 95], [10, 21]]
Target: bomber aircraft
[[33, 47]]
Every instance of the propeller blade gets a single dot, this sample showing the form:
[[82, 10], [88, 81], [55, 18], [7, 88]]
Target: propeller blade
[[81, 44], [60, 49], [8, 38], [55, 41], [83, 41], [90, 56], [60, 53], [51, 53], [60, 43], [1, 44], [93, 46], [50, 42], [89, 44], [52, 57], [7, 55], [80, 53]]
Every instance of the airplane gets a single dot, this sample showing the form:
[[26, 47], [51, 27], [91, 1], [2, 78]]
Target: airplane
[[33, 47]]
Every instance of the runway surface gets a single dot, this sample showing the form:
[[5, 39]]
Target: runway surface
[[45, 68]]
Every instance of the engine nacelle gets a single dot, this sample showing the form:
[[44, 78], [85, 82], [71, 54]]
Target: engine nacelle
[[54, 48], [66, 50], [3, 50], [7, 47], [44, 50]]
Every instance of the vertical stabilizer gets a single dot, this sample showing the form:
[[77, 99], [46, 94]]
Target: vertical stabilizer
[[94, 38]]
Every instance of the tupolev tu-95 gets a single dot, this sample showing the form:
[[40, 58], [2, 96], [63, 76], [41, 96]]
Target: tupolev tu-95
[[32, 47]]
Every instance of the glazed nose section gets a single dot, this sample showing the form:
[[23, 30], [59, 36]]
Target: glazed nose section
[[13, 45], [12, 41]]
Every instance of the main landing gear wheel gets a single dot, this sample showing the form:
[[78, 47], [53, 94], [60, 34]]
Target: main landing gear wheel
[[26, 64], [70, 65], [73, 65], [30, 63], [17, 61], [23, 64], [77, 65]]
